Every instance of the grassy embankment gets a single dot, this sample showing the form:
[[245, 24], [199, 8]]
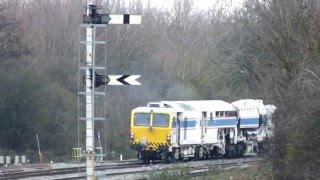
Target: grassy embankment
[[180, 172]]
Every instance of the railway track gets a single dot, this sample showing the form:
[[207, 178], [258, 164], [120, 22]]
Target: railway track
[[199, 171], [122, 170], [34, 171]]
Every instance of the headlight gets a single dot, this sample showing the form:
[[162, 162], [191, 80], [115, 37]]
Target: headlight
[[169, 137]]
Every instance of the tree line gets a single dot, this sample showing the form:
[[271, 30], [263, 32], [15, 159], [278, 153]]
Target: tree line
[[264, 49]]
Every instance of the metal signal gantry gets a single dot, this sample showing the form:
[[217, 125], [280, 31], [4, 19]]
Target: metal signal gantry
[[91, 21]]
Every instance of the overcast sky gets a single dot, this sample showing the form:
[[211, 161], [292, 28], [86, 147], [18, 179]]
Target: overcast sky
[[199, 4]]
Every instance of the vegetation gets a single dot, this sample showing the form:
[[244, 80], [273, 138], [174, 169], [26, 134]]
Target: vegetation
[[266, 49], [178, 172], [263, 172]]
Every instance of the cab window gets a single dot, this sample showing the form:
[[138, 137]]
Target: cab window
[[231, 113], [142, 119], [160, 120]]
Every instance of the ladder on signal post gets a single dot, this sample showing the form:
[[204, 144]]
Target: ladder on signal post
[[92, 95], [92, 21]]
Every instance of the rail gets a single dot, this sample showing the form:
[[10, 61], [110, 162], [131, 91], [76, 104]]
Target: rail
[[121, 169]]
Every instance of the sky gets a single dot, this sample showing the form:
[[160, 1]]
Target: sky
[[199, 4]]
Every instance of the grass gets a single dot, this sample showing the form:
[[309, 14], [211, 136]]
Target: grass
[[258, 172], [180, 172], [176, 172]]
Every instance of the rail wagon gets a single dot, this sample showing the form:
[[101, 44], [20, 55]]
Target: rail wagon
[[176, 130]]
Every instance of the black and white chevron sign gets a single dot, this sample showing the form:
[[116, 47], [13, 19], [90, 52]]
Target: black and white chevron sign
[[123, 80]]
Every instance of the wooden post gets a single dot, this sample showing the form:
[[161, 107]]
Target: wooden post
[[40, 155]]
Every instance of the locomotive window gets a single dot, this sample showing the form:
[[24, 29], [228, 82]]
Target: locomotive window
[[161, 120], [231, 113], [221, 113], [142, 119], [217, 114]]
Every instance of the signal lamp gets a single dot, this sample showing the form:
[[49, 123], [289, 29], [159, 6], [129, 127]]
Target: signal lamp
[[99, 79]]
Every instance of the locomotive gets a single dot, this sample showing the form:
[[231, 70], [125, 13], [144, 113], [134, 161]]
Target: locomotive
[[181, 130]]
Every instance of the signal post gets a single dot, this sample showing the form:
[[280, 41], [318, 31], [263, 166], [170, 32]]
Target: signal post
[[91, 20]]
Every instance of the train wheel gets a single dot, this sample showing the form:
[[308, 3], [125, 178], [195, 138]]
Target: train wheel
[[212, 154], [228, 153], [144, 157], [165, 157], [241, 149], [162, 157], [169, 157], [206, 154], [201, 153], [146, 160], [139, 156], [176, 155]]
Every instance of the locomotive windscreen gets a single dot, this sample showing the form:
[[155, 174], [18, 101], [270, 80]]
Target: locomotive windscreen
[[160, 120], [142, 119]]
